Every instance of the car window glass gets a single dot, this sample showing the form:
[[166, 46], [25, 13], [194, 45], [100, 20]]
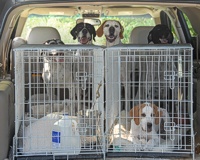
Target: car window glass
[[65, 24]]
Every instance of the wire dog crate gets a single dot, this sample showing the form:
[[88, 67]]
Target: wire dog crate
[[149, 93], [148, 101], [51, 82]]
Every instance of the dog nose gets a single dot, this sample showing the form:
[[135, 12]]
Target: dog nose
[[111, 30], [149, 125], [84, 31]]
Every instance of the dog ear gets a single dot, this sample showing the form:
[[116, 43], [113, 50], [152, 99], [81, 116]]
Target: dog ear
[[99, 31], [134, 112], [170, 37], [93, 32], [74, 32], [158, 114], [122, 31], [149, 38]]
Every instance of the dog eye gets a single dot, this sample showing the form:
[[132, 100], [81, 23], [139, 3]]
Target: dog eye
[[116, 26], [107, 25], [143, 115]]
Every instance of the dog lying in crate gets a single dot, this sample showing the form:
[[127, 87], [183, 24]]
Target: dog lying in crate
[[145, 128], [146, 123]]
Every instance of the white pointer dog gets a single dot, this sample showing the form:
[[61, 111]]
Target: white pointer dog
[[113, 31]]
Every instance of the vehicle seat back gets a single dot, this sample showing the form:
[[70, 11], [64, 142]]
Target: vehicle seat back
[[139, 34], [39, 35]]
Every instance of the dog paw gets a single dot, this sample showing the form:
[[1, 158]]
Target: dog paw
[[147, 147], [143, 141]]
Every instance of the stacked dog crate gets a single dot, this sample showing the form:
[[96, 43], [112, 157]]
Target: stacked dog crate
[[149, 93], [59, 101]]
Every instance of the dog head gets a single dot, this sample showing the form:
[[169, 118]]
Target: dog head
[[112, 30], [147, 116], [56, 55], [54, 41], [84, 32], [160, 34]]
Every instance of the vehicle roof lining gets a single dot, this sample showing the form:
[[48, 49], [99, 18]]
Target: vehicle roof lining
[[108, 9]]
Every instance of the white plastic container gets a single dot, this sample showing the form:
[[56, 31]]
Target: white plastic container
[[65, 136]]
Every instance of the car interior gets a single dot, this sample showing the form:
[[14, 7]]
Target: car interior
[[104, 85]]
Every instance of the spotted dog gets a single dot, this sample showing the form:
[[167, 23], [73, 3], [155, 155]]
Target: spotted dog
[[57, 70]]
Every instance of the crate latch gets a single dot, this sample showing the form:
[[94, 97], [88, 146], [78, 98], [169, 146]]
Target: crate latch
[[170, 76], [81, 77]]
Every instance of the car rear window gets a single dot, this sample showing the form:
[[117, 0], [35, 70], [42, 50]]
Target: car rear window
[[65, 24]]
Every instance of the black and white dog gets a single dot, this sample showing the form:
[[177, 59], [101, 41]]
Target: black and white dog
[[84, 32], [57, 70], [160, 34]]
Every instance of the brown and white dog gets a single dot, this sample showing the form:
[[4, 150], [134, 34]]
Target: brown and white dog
[[146, 124], [84, 32], [113, 31]]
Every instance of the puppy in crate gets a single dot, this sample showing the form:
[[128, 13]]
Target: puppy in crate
[[138, 129]]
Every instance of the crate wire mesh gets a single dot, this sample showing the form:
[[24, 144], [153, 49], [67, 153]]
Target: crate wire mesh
[[149, 93], [134, 76], [52, 81]]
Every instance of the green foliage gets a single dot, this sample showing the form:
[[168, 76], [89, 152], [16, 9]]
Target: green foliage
[[65, 24], [61, 23], [192, 32]]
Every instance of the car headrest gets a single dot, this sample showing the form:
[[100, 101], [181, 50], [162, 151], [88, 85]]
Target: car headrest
[[139, 35], [39, 35], [18, 41]]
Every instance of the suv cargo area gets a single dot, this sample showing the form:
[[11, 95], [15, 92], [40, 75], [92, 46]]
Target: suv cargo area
[[61, 99]]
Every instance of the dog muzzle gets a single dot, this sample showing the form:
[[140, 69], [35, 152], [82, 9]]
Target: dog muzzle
[[163, 40], [84, 40], [111, 38], [57, 56]]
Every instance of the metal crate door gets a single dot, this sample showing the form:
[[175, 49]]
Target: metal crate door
[[51, 81], [149, 100]]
